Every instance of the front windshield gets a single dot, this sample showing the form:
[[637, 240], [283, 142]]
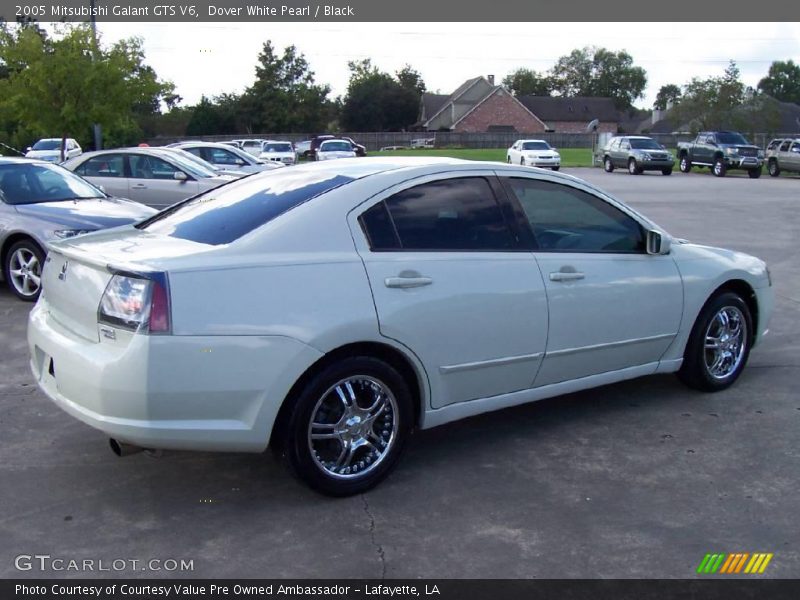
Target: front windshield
[[190, 165], [281, 147], [644, 144], [731, 138], [535, 146], [47, 145], [335, 147], [24, 183]]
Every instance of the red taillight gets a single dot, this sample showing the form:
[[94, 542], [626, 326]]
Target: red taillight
[[159, 309]]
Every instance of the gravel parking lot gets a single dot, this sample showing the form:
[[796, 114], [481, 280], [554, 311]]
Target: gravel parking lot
[[638, 479]]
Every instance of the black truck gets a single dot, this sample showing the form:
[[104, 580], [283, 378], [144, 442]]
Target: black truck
[[721, 150]]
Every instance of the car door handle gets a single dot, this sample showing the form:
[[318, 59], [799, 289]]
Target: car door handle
[[139, 186], [407, 282], [566, 276]]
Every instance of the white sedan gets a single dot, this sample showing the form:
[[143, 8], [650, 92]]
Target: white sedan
[[535, 153], [331, 308], [332, 149]]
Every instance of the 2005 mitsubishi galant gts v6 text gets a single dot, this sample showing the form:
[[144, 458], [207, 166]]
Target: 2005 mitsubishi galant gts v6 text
[[330, 308]]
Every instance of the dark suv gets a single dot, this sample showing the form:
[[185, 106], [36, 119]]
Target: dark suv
[[637, 153]]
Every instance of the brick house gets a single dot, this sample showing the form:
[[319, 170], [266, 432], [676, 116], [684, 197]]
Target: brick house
[[478, 105]]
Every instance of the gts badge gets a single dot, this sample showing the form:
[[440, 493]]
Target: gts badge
[[63, 275]]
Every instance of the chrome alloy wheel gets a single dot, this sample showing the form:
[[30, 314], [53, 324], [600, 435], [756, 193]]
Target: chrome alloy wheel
[[725, 341], [25, 272], [353, 427]]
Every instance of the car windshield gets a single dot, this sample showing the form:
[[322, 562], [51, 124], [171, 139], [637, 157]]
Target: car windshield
[[644, 144], [25, 183], [225, 214], [47, 145], [279, 147], [335, 147], [535, 146], [189, 165], [196, 160], [731, 138]]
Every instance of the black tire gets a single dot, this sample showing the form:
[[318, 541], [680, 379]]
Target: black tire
[[608, 166], [695, 371], [26, 286], [667, 171], [755, 173], [719, 169], [319, 399], [555, 168], [634, 168], [773, 168], [685, 164]]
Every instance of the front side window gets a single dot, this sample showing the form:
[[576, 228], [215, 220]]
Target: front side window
[[218, 156], [150, 167], [459, 214], [785, 146], [566, 219]]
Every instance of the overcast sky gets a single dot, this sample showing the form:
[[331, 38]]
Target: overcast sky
[[212, 58]]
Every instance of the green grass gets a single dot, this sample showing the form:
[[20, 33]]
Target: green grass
[[570, 157]]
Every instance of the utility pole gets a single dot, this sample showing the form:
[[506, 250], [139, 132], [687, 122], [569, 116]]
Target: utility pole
[[98, 134]]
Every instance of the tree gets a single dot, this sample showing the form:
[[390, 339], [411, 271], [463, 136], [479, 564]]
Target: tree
[[712, 103], [592, 71], [284, 97], [61, 85], [527, 82], [411, 80], [782, 81], [667, 94], [376, 101]]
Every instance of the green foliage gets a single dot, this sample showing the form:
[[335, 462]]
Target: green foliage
[[593, 71], [527, 82], [61, 85], [284, 97], [376, 101], [711, 103], [667, 93], [782, 81]]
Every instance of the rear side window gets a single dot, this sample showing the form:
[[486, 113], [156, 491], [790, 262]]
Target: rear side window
[[785, 145], [449, 215], [105, 165], [225, 214]]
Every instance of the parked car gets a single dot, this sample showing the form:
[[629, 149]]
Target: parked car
[[252, 146], [203, 328], [720, 151], [783, 154], [235, 173], [423, 143], [317, 140], [152, 176], [280, 152], [227, 157], [637, 153], [332, 149], [303, 149], [535, 153], [41, 202], [49, 149]]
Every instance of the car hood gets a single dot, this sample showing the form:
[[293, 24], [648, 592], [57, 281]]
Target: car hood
[[87, 214], [44, 154]]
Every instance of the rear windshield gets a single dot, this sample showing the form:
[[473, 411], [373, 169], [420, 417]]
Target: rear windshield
[[225, 214]]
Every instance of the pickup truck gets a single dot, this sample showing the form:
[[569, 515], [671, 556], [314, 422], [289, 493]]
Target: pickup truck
[[721, 150]]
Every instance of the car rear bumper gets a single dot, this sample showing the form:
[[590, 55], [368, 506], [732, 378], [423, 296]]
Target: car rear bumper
[[217, 393]]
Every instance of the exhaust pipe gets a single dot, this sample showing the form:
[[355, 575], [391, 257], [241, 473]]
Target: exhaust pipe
[[122, 449]]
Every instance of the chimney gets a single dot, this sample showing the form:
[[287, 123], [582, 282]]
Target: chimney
[[491, 79], [658, 114]]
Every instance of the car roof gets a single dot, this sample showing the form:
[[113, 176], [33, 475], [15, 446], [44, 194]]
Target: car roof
[[532, 140], [21, 160]]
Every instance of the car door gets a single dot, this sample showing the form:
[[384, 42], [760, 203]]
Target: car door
[[153, 181], [619, 154], [106, 171], [451, 283], [611, 305]]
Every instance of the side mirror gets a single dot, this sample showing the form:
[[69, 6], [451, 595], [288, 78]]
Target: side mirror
[[657, 242], [180, 176], [28, 149]]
